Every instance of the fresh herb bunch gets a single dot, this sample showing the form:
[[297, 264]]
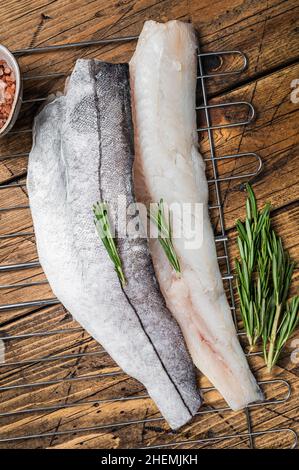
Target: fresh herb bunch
[[264, 274], [282, 315], [102, 224], [165, 234], [253, 249]]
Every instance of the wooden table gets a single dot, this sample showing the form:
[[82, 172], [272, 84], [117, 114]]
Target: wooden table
[[268, 33]]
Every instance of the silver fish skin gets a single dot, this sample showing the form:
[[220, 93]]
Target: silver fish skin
[[83, 153]]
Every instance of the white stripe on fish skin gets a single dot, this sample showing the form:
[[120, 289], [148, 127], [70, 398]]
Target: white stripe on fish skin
[[63, 185], [163, 95]]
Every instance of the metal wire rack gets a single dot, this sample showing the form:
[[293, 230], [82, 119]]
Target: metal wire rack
[[221, 238]]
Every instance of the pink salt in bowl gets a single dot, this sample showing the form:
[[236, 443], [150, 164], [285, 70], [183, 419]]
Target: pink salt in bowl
[[12, 63]]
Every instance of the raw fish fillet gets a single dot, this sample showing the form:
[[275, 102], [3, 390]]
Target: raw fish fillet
[[167, 165], [83, 153]]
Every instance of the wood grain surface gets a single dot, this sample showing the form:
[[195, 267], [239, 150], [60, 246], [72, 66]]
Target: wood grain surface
[[61, 383]]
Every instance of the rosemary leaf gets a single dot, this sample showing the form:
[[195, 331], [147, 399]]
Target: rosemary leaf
[[284, 315], [165, 234], [102, 224], [249, 234]]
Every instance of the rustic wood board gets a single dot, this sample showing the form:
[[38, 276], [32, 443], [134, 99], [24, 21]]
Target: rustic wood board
[[268, 33]]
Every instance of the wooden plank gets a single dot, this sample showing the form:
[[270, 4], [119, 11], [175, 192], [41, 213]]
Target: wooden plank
[[273, 136], [266, 31], [268, 35]]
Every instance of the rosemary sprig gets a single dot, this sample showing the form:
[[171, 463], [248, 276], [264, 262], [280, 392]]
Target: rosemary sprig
[[283, 315], [287, 326], [253, 234], [165, 234], [102, 224], [264, 273]]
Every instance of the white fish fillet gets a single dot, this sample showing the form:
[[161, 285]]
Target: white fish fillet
[[168, 166]]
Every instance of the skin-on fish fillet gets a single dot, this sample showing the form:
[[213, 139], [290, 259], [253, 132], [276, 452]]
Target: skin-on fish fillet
[[83, 153], [168, 166]]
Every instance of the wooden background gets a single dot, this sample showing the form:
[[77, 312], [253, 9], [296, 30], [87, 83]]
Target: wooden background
[[267, 31]]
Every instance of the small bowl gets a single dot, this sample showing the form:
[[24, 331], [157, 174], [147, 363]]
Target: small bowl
[[6, 55]]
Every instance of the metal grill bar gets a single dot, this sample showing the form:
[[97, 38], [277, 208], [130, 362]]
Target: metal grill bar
[[72, 405], [224, 54], [40, 283], [41, 334], [32, 303], [14, 267], [31, 234], [21, 131], [22, 207], [36, 264], [72, 356], [45, 75], [17, 235], [242, 175], [51, 359], [135, 397], [219, 203], [58, 381], [13, 185], [56, 332], [221, 238], [119, 373], [153, 420], [54, 301], [14, 155], [207, 54], [223, 105], [248, 435], [72, 45], [14, 208], [34, 100], [23, 285]]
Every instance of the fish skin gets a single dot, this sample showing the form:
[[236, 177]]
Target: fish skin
[[168, 165], [83, 152]]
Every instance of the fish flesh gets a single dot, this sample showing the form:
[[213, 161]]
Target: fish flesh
[[168, 166], [83, 153]]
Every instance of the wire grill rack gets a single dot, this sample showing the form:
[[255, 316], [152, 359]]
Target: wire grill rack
[[221, 238]]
